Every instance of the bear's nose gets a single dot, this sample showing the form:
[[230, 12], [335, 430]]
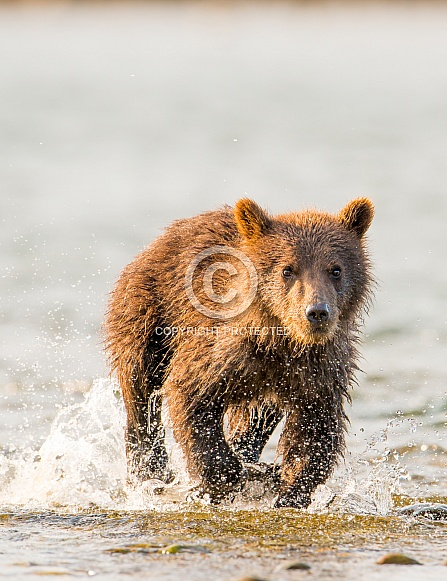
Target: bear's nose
[[318, 314]]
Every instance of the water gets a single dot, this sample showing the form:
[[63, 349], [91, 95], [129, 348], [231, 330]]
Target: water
[[116, 120]]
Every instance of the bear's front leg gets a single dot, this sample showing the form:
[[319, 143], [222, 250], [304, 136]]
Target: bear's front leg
[[198, 428], [311, 442]]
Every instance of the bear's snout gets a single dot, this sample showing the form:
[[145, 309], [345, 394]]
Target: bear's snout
[[318, 314]]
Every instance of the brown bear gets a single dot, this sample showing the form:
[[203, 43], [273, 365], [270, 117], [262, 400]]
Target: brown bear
[[239, 318]]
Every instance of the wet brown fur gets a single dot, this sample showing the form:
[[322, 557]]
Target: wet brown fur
[[251, 379]]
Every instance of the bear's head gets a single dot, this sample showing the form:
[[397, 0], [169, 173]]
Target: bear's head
[[313, 268]]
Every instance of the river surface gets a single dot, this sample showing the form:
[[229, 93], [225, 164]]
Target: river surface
[[116, 120]]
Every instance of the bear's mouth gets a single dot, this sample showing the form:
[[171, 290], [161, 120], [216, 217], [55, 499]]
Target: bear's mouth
[[310, 335], [322, 331], [319, 333]]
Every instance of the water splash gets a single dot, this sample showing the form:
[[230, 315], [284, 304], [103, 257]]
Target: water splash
[[82, 464], [369, 481]]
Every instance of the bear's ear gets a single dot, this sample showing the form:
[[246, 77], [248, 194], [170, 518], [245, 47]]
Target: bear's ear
[[357, 216], [251, 220]]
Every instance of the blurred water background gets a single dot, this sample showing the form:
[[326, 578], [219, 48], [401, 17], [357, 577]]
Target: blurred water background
[[117, 119]]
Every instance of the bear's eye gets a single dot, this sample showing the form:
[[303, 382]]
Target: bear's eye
[[287, 272], [335, 272]]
